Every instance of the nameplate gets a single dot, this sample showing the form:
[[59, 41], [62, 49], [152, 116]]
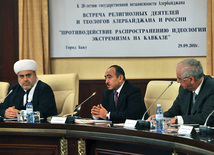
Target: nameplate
[[130, 123], [58, 120], [185, 130]]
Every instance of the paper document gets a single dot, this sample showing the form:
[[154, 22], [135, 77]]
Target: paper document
[[91, 121], [10, 119]]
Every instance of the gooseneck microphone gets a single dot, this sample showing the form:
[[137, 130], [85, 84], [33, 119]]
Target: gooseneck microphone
[[79, 106], [1, 118], [143, 124], [205, 124], [157, 99], [204, 129], [71, 119], [8, 94]]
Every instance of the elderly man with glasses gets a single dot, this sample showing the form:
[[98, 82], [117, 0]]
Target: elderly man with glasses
[[195, 100]]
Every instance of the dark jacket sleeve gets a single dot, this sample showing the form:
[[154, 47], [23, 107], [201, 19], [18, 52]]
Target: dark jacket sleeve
[[44, 100], [175, 110], [130, 103], [12, 99], [203, 107]]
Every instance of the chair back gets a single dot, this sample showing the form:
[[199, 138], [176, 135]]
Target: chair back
[[3, 90], [66, 91], [154, 90]]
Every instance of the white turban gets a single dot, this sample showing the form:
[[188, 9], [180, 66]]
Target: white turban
[[25, 64]]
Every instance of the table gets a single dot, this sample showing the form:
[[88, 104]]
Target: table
[[45, 138]]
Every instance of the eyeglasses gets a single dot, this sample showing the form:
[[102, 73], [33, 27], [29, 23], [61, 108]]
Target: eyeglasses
[[180, 79]]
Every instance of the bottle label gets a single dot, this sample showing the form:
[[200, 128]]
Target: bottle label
[[159, 116], [29, 110], [29, 113]]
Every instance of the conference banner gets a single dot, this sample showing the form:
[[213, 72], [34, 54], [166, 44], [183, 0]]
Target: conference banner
[[124, 28]]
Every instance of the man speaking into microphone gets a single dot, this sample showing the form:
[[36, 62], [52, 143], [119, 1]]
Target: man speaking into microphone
[[121, 99], [195, 100]]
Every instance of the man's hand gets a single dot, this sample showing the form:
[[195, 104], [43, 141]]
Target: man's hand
[[174, 121], [11, 112], [103, 112], [95, 111], [99, 111], [149, 119]]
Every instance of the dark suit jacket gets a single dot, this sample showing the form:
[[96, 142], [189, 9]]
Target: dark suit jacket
[[130, 104], [43, 99], [203, 107]]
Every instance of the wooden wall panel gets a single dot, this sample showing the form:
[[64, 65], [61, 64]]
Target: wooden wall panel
[[8, 39]]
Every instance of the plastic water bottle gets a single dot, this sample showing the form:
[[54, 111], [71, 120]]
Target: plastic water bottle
[[159, 119], [29, 112]]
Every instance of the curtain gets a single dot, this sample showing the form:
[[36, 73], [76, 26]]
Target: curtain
[[210, 39], [34, 33]]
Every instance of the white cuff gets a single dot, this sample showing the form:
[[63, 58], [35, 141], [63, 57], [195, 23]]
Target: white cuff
[[108, 115], [180, 120], [96, 118]]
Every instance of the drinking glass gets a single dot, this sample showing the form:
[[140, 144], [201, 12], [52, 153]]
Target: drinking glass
[[20, 116], [36, 115], [168, 122], [152, 123]]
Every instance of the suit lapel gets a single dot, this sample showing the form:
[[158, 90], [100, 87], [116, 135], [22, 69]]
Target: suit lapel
[[111, 100], [121, 96], [18, 99], [120, 100], [199, 99], [189, 102], [201, 95]]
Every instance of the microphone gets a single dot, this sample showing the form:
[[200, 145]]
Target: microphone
[[8, 94], [141, 124], [157, 99], [79, 106], [204, 129], [205, 124], [71, 119], [1, 119]]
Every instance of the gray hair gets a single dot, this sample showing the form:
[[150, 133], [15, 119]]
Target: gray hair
[[191, 67]]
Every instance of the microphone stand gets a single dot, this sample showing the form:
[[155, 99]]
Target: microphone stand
[[144, 124], [204, 129], [1, 119], [8, 95], [71, 119]]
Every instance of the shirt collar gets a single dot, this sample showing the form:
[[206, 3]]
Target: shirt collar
[[199, 87], [119, 89]]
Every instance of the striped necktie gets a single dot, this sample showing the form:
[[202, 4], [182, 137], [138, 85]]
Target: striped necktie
[[194, 96], [115, 98]]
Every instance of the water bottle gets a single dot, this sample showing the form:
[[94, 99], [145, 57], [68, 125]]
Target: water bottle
[[29, 112], [159, 119]]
